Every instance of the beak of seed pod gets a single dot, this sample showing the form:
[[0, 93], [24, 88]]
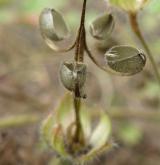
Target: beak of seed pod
[[102, 26], [58, 130], [125, 59]]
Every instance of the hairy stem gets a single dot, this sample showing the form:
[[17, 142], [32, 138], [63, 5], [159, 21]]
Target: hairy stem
[[137, 31]]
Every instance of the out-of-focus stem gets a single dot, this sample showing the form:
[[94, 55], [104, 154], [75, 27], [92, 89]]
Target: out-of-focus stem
[[18, 120], [115, 113], [137, 31]]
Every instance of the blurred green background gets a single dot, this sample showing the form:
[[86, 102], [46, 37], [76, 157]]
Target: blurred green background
[[30, 86]]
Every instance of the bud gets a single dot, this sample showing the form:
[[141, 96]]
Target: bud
[[125, 59], [58, 131], [73, 73], [102, 26], [131, 6]]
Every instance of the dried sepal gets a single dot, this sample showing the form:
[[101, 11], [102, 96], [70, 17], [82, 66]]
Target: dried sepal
[[100, 139], [102, 26], [59, 129], [103, 128], [53, 27], [125, 59]]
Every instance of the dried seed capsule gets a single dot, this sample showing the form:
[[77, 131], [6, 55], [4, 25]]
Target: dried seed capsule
[[102, 26], [52, 25], [125, 59], [72, 74]]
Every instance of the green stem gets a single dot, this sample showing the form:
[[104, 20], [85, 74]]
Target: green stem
[[18, 120], [77, 103], [136, 30]]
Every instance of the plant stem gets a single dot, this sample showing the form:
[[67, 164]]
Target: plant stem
[[79, 55], [137, 31], [18, 120], [77, 103], [115, 113]]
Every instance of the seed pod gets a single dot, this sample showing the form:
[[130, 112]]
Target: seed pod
[[125, 59], [72, 74], [102, 26], [52, 25]]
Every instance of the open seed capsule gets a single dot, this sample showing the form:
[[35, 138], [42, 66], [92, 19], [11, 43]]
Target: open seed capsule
[[125, 59], [52, 25], [102, 26], [72, 74]]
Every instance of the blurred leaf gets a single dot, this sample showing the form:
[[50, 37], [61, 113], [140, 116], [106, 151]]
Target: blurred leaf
[[6, 16], [102, 132], [154, 6], [130, 134], [5, 2], [38, 5], [71, 17], [152, 90]]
